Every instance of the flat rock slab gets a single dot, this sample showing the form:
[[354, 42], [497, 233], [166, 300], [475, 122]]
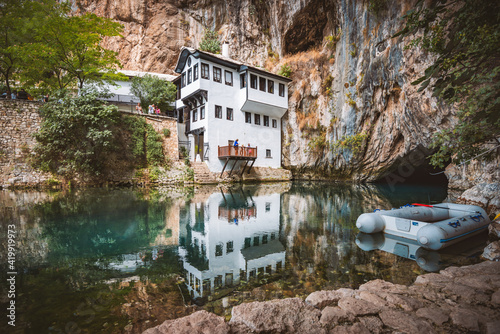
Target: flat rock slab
[[323, 298], [201, 322], [277, 316]]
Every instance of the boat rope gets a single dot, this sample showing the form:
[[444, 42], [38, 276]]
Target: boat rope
[[477, 217], [477, 156], [454, 224]]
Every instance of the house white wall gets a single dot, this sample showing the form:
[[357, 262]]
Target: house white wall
[[218, 131]]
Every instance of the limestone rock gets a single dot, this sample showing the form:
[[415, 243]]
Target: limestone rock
[[465, 318], [358, 307], [437, 315], [335, 315], [320, 299], [278, 316], [201, 322], [492, 251], [404, 322], [486, 195]]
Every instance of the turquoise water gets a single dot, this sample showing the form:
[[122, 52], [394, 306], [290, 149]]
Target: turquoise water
[[101, 260]]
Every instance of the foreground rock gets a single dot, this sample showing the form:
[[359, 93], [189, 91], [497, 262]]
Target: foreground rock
[[457, 300]]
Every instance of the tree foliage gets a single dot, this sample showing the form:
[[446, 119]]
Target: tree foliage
[[76, 135], [464, 36], [45, 44], [151, 89], [210, 42]]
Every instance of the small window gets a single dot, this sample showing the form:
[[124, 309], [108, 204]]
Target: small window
[[268, 153], [228, 78], [266, 120], [262, 84], [183, 80], [218, 112], [202, 113], [282, 90], [195, 72], [264, 239], [217, 74], [268, 206], [253, 81], [190, 72], [218, 249], [256, 241], [229, 247], [189, 61], [205, 72], [195, 115], [248, 117], [248, 242], [257, 119], [243, 80], [275, 123], [273, 236], [229, 114], [270, 86]]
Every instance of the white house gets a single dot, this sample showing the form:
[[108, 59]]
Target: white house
[[230, 238], [220, 100]]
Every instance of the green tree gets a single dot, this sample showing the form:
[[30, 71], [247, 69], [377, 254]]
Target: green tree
[[464, 36], [151, 89], [76, 135], [210, 42]]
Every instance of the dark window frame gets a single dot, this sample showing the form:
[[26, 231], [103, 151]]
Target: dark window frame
[[202, 112], [226, 72], [248, 117], [266, 120], [229, 114], [205, 71], [190, 76], [256, 119], [183, 80], [275, 123], [218, 112], [268, 153], [243, 80], [195, 72], [195, 115], [217, 72]]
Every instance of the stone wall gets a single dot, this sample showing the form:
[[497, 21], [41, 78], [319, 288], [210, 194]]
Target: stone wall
[[18, 121], [170, 143]]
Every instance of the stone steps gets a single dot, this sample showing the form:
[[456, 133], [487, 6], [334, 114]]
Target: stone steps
[[202, 174]]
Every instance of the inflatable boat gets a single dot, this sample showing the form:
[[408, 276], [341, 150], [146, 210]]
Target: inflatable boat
[[431, 226]]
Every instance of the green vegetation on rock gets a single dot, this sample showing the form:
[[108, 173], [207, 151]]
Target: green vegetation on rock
[[464, 36], [153, 90], [210, 42]]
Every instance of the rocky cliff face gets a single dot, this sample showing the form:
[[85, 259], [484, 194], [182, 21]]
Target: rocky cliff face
[[353, 112]]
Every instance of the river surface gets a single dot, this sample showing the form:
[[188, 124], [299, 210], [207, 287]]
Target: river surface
[[123, 260]]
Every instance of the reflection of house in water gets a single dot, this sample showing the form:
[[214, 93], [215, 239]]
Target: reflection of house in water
[[230, 237]]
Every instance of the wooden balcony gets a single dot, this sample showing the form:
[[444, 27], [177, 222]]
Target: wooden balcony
[[240, 153], [244, 153]]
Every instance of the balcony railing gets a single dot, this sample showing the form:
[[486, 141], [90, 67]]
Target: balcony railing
[[243, 152]]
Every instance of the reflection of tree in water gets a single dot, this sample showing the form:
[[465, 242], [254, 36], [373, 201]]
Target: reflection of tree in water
[[96, 223]]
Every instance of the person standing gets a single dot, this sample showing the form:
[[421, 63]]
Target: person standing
[[236, 144], [138, 108], [151, 109]]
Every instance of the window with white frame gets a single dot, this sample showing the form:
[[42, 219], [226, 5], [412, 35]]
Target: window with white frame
[[262, 84], [253, 81], [183, 80], [282, 90], [266, 120], [243, 80], [202, 113], [270, 86], [195, 115], [190, 73], [268, 153], [275, 123]]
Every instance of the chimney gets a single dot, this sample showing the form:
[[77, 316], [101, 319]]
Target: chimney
[[225, 49]]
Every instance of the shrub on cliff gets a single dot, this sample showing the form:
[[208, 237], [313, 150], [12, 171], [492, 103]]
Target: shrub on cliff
[[210, 42]]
